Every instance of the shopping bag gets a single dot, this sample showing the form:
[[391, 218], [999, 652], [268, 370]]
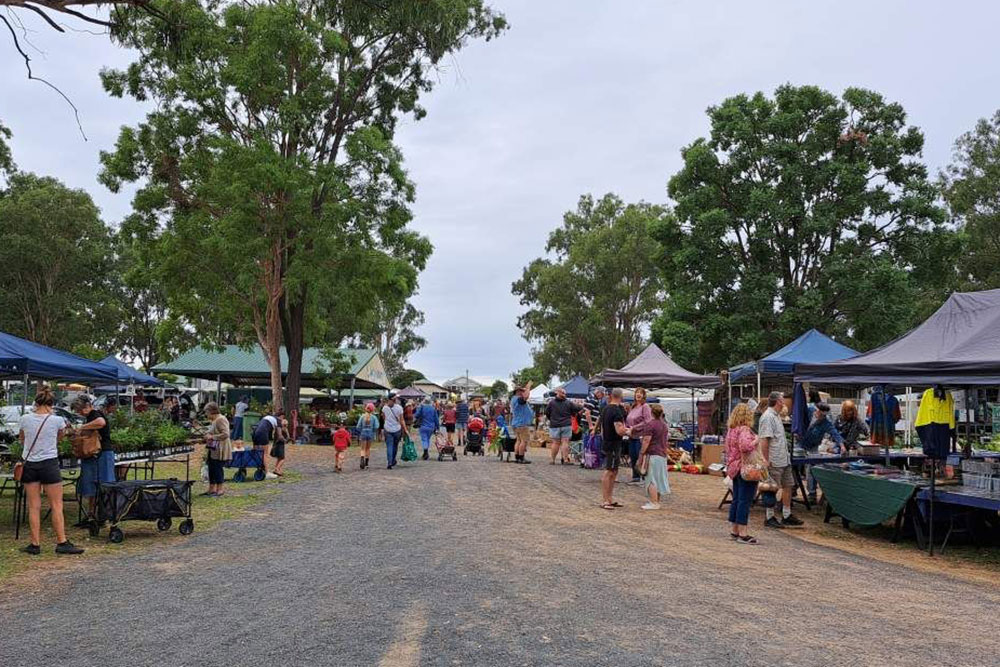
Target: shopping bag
[[409, 449], [204, 471]]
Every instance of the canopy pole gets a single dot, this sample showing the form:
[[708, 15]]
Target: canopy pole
[[694, 418], [909, 417], [218, 390], [759, 396], [24, 394]]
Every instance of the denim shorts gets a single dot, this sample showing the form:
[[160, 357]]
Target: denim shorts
[[561, 432], [101, 468]]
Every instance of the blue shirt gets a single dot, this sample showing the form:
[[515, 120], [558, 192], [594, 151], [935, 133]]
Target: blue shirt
[[816, 432], [426, 417], [523, 414], [462, 413]]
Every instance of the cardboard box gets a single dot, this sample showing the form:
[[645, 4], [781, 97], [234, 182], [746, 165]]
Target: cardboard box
[[712, 454]]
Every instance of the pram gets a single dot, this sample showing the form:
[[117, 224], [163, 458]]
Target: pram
[[443, 447], [474, 438]]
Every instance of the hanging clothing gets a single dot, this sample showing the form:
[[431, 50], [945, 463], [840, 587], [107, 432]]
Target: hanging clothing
[[936, 424], [801, 416], [883, 413]]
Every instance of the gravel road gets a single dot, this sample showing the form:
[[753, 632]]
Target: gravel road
[[482, 563]]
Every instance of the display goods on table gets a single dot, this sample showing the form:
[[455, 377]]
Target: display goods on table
[[158, 500], [244, 459]]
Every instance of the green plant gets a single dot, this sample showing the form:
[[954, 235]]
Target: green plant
[[16, 449], [65, 447]]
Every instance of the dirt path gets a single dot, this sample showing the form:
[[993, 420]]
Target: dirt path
[[482, 563]]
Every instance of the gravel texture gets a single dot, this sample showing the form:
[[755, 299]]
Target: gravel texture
[[481, 563]]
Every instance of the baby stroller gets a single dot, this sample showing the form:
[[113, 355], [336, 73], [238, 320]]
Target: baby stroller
[[475, 437], [444, 448], [506, 439]]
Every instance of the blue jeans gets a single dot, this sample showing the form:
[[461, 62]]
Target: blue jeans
[[391, 445], [237, 433], [743, 495], [425, 438], [93, 471], [634, 447]]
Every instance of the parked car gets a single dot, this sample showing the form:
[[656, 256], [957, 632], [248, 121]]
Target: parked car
[[11, 417]]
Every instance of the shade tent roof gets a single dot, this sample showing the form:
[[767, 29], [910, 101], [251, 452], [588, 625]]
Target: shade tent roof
[[537, 395], [410, 392], [811, 347], [654, 369], [237, 366], [19, 357], [129, 375], [958, 345], [576, 387]]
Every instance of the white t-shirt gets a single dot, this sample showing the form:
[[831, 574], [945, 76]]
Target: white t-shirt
[[47, 446], [241, 409], [392, 418]]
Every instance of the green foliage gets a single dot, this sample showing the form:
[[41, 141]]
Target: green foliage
[[54, 262], [588, 305], [270, 159], [391, 331], [971, 188], [800, 210], [6, 158], [496, 390], [535, 375], [145, 430], [405, 378]]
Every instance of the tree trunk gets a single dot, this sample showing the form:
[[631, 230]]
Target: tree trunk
[[293, 315], [269, 335]]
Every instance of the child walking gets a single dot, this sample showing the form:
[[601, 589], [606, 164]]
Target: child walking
[[368, 426], [341, 441]]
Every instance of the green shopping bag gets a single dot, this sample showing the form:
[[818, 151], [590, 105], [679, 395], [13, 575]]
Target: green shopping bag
[[409, 449]]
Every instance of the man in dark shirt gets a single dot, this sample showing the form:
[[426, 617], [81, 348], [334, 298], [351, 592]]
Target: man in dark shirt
[[613, 430]]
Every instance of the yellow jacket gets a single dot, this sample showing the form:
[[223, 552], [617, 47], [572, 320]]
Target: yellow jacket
[[936, 411]]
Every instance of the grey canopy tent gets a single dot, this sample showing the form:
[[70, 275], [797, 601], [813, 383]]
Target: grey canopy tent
[[958, 345], [654, 369]]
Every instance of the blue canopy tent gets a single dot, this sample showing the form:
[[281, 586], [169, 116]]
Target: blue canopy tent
[[22, 358], [811, 347], [25, 360], [129, 375], [576, 387]]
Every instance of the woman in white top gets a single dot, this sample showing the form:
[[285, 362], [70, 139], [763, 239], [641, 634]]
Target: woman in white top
[[40, 434]]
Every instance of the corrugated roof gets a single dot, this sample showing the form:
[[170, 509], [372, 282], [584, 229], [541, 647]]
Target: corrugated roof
[[239, 366]]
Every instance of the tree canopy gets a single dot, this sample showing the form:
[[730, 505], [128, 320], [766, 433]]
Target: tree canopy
[[971, 188], [799, 210], [55, 264], [589, 302], [273, 188]]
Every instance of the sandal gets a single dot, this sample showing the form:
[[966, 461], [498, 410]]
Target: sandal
[[734, 536], [617, 504], [607, 506], [746, 539]]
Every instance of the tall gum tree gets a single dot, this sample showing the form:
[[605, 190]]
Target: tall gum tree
[[268, 165]]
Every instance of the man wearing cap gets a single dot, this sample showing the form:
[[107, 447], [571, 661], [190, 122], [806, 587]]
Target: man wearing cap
[[820, 428], [774, 449], [522, 417]]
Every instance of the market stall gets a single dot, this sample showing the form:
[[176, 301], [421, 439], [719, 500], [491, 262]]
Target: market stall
[[811, 347], [956, 347]]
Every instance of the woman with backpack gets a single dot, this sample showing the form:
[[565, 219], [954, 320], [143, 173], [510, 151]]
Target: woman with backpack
[[367, 427]]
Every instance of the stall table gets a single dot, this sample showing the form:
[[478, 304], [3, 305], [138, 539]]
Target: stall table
[[868, 499], [904, 457]]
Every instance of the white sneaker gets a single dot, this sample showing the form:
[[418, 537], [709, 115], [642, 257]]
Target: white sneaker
[[650, 506], [271, 475]]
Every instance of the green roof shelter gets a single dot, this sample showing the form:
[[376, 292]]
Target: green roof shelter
[[239, 366]]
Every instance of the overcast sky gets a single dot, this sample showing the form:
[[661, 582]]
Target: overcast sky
[[579, 96]]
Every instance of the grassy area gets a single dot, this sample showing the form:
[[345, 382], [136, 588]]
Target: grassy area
[[139, 535]]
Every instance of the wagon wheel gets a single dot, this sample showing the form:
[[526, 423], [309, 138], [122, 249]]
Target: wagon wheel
[[115, 535], [163, 523], [259, 474], [187, 527], [240, 475]]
